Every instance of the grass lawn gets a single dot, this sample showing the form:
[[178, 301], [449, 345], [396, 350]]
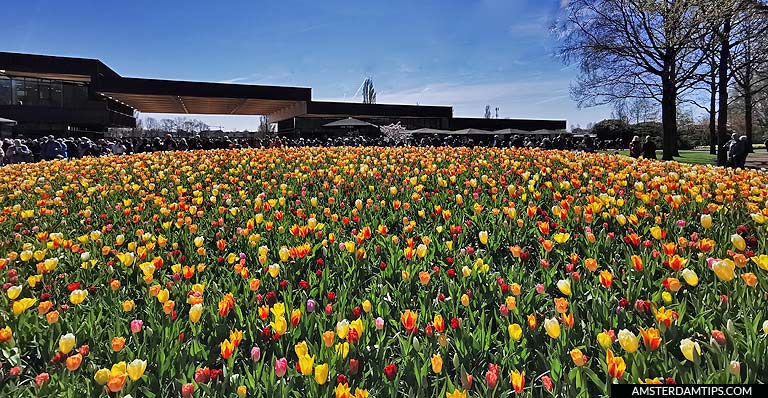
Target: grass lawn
[[692, 157]]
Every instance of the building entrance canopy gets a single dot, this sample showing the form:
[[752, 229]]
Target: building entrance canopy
[[171, 96]]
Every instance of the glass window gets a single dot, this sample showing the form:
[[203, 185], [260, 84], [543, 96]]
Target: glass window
[[32, 92], [44, 92], [56, 94], [74, 95], [6, 92]]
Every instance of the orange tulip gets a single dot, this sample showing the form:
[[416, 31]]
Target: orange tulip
[[118, 343], [518, 381], [74, 361], [616, 365], [651, 338], [409, 318]]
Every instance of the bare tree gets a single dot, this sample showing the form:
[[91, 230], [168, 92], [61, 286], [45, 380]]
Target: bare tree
[[736, 28], [749, 61], [369, 93], [634, 49], [263, 125]]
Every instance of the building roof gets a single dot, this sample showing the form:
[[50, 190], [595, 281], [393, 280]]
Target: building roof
[[154, 95]]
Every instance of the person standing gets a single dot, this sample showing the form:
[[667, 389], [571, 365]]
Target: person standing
[[635, 147], [740, 156], [649, 148], [731, 150]]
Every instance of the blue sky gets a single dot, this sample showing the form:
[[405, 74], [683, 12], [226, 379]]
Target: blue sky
[[465, 53]]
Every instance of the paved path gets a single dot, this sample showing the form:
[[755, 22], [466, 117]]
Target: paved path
[[758, 159]]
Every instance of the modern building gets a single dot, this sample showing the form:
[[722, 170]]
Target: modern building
[[73, 96]]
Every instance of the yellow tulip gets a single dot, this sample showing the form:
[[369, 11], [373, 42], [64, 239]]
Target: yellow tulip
[[101, 376], [280, 325], [66, 343], [564, 285], [628, 341], [738, 242], [77, 296], [22, 305], [162, 296], [421, 250], [724, 269], [667, 297], [342, 349], [761, 261], [242, 391], [342, 328], [14, 292], [604, 340], [321, 373], [515, 331], [483, 235], [706, 221], [552, 326], [367, 306], [561, 237], [195, 312], [687, 346], [357, 324], [456, 394], [136, 369], [301, 349], [284, 254], [305, 363], [274, 269], [690, 277]]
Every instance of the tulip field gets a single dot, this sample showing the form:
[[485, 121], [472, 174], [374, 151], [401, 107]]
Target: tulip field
[[378, 272]]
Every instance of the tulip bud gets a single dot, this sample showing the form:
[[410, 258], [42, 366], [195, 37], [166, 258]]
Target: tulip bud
[[719, 337], [256, 353], [456, 362], [735, 368]]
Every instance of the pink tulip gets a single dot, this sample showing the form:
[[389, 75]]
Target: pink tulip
[[539, 288], [256, 353], [281, 366], [136, 325], [379, 323]]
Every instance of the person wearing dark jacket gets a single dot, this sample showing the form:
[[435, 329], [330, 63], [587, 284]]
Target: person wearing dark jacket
[[649, 148], [740, 152], [635, 147]]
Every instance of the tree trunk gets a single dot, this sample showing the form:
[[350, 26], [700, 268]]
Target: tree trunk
[[669, 118], [722, 116], [748, 118], [713, 114]]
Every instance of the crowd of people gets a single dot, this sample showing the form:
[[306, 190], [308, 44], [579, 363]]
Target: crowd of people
[[26, 150]]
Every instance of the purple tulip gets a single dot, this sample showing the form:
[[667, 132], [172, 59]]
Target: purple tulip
[[311, 306]]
